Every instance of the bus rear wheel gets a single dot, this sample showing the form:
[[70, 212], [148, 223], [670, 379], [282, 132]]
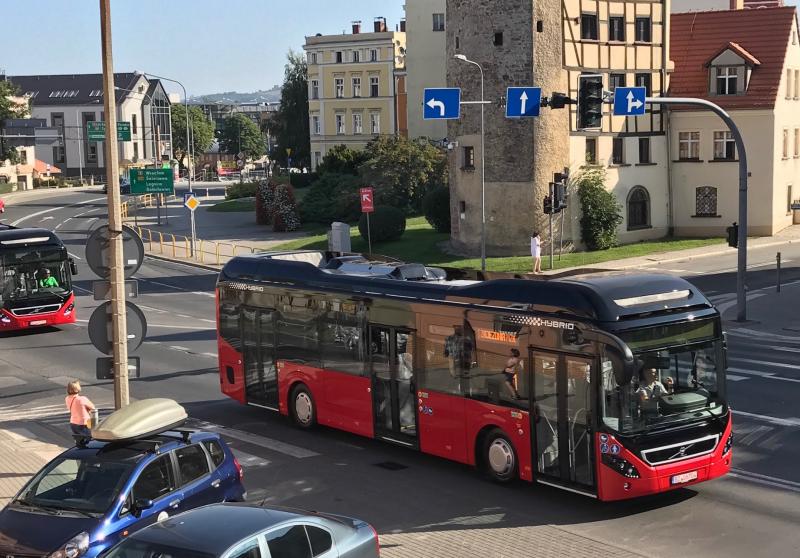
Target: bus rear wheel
[[304, 412], [499, 458]]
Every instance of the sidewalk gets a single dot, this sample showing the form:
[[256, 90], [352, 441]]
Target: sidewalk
[[769, 313]]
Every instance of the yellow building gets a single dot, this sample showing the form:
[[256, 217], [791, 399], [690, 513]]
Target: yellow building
[[356, 87]]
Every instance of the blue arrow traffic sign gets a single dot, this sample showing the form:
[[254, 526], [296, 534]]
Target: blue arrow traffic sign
[[523, 101], [441, 103], [629, 101]]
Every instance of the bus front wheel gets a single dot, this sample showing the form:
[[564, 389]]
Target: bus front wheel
[[304, 413], [499, 458]]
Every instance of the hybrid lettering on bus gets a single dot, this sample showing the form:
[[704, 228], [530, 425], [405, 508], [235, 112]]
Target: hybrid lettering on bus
[[611, 385], [36, 273]]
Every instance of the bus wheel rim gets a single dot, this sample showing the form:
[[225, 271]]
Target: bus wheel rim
[[303, 407], [501, 457]]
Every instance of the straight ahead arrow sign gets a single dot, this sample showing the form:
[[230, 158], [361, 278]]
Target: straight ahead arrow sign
[[524, 99]]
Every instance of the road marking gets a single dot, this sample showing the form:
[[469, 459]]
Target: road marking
[[765, 480], [785, 349], [767, 375], [212, 355], [735, 378], [32, 215], [82, 289], [43, 219], [208, 321], [772, 420], [202, 293], [164, 285], [179, 348], [74, 256], [249, 460], [768, 363], [260, 441], [750, 333]]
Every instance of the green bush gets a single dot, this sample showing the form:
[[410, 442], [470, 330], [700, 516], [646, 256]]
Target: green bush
[[386, 223], [333, 197], [341, 159], [304, 180], [601, 214], [245, 190], [436, 207]]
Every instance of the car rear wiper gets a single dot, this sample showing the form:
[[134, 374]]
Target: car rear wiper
[[46, 509]]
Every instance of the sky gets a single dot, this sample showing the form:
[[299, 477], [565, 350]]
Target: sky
[[210, 46]]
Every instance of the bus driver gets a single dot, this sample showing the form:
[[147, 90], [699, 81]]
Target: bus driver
[[651, 388]]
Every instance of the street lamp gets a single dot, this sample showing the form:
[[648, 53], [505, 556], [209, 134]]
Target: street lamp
[[483, 167]]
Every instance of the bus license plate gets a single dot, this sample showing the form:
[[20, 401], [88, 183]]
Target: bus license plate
[[38, 322], [685, 477]]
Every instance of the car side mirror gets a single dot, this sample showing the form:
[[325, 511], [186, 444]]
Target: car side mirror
[[73, 268], [141, 504]]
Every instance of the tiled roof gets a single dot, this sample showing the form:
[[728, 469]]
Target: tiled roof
[[41, 167], [71, 89], [763, 34], [737, 49]]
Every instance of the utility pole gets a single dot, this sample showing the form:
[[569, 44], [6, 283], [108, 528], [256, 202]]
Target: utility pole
[[80, 140], [116, 264]]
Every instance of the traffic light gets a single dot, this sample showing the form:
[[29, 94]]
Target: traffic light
[[733, 236], [559, 196], [590, 101], [548, 205]]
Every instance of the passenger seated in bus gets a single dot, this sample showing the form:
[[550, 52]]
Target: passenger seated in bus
[[651, 389], [46, 280]]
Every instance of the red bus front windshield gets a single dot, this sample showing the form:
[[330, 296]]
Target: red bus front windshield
[[33, 272]]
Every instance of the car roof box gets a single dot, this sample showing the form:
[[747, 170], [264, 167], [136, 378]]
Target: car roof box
[[140, 419]]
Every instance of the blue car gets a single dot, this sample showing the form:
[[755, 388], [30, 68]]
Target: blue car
[[91, 496]]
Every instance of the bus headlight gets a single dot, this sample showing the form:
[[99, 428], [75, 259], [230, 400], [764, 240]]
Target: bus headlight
[[68, 310], [621, 466], [728, 444], [4, 319]]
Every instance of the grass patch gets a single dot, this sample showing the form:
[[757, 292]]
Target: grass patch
[[239, 204], [6, 188], [420, 244]]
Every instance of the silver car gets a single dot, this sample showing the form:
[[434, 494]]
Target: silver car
[[251, 531]]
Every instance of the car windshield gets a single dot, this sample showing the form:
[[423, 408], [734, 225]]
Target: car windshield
[[33, 273], [83, 485], [132, 548], [671, 385]]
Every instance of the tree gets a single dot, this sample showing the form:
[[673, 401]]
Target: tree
[[342, 159], [9, 109], [403, 171], [202, 131], [240, 134], [601, 213], [291, 120]]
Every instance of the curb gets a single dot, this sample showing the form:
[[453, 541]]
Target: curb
[[11, 196], [183, 262]]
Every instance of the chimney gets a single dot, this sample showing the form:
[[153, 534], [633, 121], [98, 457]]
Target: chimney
[[380, 25], [402, 25], [356, 27]]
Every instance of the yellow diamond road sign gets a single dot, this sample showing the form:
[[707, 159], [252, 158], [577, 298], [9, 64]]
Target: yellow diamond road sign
[[192, 203]]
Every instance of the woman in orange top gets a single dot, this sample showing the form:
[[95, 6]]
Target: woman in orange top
[[79, 408]]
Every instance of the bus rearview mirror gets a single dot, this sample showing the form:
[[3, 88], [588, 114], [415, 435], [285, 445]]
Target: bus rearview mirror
[[72, 267]]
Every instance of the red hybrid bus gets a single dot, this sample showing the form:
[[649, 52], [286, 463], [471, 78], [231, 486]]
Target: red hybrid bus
[[610, 385], [35, 279]]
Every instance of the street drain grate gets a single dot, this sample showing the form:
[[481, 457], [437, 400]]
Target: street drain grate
[[391, 466]]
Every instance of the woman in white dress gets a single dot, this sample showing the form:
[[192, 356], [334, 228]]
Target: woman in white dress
[[536, 252]]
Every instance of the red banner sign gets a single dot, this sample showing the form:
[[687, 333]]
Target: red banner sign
[[367, 200]]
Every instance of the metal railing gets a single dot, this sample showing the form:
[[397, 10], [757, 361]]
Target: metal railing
[[177, 246]]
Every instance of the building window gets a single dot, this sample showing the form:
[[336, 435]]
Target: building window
[[727, 78], [469, 158], [356, 56], [786, 143], [645, 80], [788, 84], [498, 38], [340, 124], [375, 122], [314, 89], [315, 125], [373, 55], [591, 150], [644, 151], [135, 151], [339, 86], [458, 43], [705, 201], [589, 27], [618, 151], [689, 146], [373, 86], [133, 124], [23, 157], [725, 146], [356, 87], [339, 57], [616, 29], [313, 57], [643, 30], [438, 22], [797, 142], [91, 153], [58, 154], [616, 80], [789, 199], [358, 127], [638, 208], [796, 84]]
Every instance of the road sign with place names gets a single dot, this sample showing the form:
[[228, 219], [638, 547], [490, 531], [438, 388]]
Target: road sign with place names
[[96, 131], [523, 102], [629, 101], [152, 181], [191, 202], [367, 200], [441, 103]]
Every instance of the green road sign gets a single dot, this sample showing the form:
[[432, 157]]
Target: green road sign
[[152, 181], [96, 131]]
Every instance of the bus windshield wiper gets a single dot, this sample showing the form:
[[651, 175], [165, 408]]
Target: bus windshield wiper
[[47, 509]]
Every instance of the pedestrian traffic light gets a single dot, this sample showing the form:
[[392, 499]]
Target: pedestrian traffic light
[[548, 205], [590, 101], [559, 196], [733, 235]]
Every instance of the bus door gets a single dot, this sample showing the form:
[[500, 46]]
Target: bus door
[[394, 393], [258, 357], [562, 410]]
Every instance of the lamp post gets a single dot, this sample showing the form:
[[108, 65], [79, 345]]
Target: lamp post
[[483, 167]]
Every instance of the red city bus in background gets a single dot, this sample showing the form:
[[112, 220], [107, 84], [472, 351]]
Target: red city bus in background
[[610, 385], [35, 279]]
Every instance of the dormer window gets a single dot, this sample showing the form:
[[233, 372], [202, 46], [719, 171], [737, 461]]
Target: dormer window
[[729, 70], [727, 80]]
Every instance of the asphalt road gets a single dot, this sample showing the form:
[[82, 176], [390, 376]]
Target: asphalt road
[[754, 512]]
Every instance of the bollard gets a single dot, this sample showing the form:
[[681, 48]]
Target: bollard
[[778, 270]]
